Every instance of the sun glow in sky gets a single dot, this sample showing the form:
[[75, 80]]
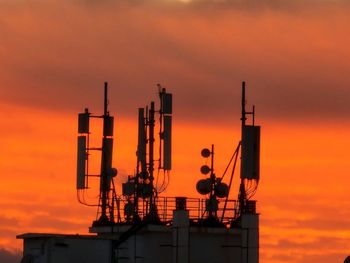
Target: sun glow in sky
[[294, 56]]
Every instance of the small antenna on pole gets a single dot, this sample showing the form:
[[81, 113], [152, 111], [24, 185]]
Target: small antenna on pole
[[250, 156], [243, 105], [105, 112]]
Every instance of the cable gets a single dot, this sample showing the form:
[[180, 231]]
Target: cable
[[231, 179], [229, 163], [83, 202]]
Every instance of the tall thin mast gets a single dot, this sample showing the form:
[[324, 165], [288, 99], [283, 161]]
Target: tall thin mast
[[151, 155], [104, 183], [242, 192], [244, 118], [105, 112]]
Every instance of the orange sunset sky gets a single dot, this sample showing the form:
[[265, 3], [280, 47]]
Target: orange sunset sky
[[294, 56]]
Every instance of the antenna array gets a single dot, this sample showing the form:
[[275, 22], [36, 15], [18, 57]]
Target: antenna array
[[143, 186], [107, 172]]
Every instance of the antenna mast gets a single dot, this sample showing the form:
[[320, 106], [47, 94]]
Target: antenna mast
[[242, 193], [104, 165], [250, 156], [107, 189], [143, 185], [243, 118]]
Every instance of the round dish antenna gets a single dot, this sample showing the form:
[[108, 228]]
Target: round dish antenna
[[205, 169], [205, 153], [203, 186], [221, 190]]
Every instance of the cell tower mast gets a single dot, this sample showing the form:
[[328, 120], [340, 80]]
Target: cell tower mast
[[242, 193], [104, 165], [107, 189], [250, 157]]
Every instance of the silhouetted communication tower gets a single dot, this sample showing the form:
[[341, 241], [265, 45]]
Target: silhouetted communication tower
[[141, 225], [107, 194], [141, 185], [214, 186]]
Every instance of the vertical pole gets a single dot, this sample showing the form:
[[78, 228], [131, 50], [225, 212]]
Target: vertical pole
[[104, 182], [136, 197], [151, 140], [212, 159], [243, 105], [161, 138], [151, 155], [243, 118], [212, 196], [105, 111]]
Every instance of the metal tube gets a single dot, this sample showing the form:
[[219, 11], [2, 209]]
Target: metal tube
[[104, 183], [151, 155], [243, 105], [242, 194]]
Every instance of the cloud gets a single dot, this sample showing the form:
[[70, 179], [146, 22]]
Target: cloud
[[9, 257], [319, 258], [57, 56], [303, 228], [323, 243], [250, 5]]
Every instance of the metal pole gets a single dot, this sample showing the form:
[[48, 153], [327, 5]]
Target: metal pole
[[243, 105], [151, 154], [212, 180], [104, 190], [105, 100], [243, 118]]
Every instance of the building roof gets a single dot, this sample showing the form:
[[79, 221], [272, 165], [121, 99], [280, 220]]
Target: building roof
[[50, 235]]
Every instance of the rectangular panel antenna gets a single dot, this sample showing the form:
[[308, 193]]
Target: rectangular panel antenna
[[83, 122], [81, 162], [167, 142], [167, 105], [108, 125], [250, 163], [107, 155], [141, 144]]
